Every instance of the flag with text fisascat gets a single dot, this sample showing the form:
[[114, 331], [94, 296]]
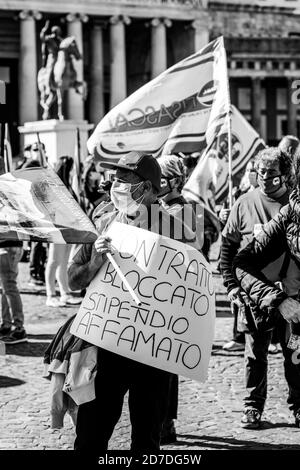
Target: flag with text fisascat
[[181, 110]]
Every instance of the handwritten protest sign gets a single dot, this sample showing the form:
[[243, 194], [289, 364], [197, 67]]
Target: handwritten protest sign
[[173, 327]]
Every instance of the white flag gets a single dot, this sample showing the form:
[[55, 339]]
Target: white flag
[[181, 110], [211, 172]]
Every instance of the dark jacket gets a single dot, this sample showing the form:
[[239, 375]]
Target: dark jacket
[[280, 236], [251, 209]]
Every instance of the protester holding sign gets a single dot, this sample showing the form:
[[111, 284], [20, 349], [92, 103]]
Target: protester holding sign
[[133, 192]]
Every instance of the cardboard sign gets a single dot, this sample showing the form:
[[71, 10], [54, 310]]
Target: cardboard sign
[[173, 328]]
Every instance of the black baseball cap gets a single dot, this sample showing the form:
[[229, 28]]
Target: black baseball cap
[[144, 165]]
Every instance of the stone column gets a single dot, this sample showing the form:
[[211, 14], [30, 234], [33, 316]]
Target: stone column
[[118, 81], [291, 109], [75, 103], [256, 104], [28, 91], [96, 98], [201, 32], [159, 45]]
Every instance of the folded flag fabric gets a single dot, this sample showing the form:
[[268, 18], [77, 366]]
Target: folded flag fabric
[[245, 143], [35, 205], [209, 179]]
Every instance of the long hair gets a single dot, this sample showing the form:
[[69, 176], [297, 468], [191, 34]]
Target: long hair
[[63, 169]]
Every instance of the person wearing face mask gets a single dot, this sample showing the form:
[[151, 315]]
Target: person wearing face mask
[[134, 192], [248, 183], [247, 219], [172, 182], [277, 303], [95, 187]]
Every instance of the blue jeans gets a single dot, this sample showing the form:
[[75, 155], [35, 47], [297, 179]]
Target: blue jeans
[[256, 367], [12, 308]]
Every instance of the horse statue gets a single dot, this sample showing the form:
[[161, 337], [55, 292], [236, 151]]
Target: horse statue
[[62, 75]]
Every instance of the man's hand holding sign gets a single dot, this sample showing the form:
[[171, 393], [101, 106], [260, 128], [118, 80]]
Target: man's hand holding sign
[[149, 307], [173, 328]]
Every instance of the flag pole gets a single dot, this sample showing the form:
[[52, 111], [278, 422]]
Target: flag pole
[[41, 152], [7, 151], [229, 134], [230, 182], [78, 144]]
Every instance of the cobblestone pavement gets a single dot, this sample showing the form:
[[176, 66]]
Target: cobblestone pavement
[[209, 413]]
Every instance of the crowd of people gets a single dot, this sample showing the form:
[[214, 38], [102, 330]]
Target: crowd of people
[[259, 262]]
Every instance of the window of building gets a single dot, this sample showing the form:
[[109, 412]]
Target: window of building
[[281, 98], [244, 99], [263, 99], [282, 126], [263, 127], [4, 74]]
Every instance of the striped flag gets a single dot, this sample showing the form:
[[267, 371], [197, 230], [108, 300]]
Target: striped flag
[[35, 205], [181, 110], [211, 173]]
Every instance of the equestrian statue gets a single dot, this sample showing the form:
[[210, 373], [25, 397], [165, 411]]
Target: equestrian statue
[[58, 73]]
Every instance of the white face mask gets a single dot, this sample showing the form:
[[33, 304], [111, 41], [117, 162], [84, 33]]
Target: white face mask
[[122, 199]]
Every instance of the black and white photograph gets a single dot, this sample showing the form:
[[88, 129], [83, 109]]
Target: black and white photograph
[[149, 232]]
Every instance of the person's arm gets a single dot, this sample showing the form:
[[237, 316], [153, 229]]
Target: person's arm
[[249, 263], [230, 244], [228, 251], [43, 31], [87, 262]]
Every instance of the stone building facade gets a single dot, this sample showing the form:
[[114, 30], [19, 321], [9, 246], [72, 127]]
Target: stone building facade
[[127, 42]]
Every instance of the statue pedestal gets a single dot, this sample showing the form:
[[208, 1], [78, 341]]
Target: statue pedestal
[[59, 137]]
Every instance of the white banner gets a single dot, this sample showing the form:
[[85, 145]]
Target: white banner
[[209, 180], [181, 110], [246, 143], [173, 327]]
